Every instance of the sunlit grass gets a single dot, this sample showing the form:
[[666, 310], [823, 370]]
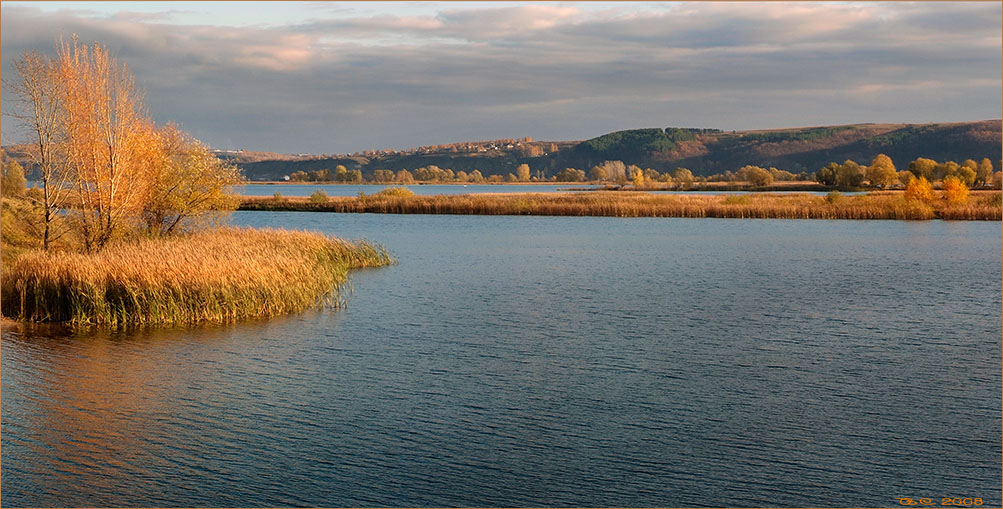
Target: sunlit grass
[[214, 276], [877, 205]]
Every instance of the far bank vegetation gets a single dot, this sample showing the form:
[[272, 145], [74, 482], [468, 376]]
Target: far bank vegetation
[[881, 173], [921, 201]]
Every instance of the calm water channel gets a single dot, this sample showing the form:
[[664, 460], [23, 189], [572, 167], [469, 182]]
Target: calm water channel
[[548, 361]]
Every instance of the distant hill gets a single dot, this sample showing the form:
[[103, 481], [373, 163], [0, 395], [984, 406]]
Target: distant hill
[[703, 151]]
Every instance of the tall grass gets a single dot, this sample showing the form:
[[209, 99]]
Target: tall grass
[[880, 205], [215, 276]]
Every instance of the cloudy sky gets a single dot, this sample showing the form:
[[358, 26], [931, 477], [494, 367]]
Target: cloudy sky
[[324, 77]]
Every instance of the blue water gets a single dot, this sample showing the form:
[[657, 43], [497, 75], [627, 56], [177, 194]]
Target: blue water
[[548, 361]]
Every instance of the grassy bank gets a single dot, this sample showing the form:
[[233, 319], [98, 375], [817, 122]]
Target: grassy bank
[[215, 276], [879, 205]]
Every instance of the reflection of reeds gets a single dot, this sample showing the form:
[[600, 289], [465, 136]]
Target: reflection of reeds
[[879, 205], [216, 276]]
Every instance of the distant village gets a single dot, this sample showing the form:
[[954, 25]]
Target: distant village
[[525, 146]]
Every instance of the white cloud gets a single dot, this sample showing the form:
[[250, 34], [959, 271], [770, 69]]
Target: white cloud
[[351, 80]]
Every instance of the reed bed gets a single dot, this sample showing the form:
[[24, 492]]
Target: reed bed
[[881, 205], [216, 276]]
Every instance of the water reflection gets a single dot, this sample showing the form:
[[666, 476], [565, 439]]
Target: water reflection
[[526, 361]]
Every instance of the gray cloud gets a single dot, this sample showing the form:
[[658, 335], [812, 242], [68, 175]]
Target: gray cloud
[[342, 84]]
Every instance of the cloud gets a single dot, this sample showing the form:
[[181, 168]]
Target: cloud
[[338, 82]]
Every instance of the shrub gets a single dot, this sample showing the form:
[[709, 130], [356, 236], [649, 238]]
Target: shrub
[[278, 196], [395, 192], [12, 183], [833, 196], [318, 196], [758, 176], [919, 189], [955, 191]]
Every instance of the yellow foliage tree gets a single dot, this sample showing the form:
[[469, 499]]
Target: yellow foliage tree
[[638, 179], [984, 175], [111, 145], [39, 90], [522, 172], [190, 188], [923, 167], [919, 189], [955, 191], [881, 172]]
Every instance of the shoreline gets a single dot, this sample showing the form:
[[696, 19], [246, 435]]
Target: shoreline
[[981, 206], [214, 276], [708, 187]]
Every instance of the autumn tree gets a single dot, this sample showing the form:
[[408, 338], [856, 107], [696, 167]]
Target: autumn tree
[[615, 171], [955, 191], [522, 172], [683, 176], [944, 170], [12, 181], [637, 178], [570, 175], [850, 174], [827, 174], [39, 92], [923, 168], [984, 175], [755, 175], [111, 146], [919, 189], [383, 176], [967, 174], [404, 177], [881, 172], [190, 187], [597, 174]]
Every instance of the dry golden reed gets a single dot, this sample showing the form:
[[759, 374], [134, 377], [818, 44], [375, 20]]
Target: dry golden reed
[[214, 276], [877, 205]]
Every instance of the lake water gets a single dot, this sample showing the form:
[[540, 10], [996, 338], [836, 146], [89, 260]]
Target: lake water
[[548, 361]]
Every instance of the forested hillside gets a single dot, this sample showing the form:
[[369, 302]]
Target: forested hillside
[[703, 151]]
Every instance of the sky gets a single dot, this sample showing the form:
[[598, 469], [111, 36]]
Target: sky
[[341, 77]]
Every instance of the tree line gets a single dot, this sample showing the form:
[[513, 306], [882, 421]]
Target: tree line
[[105, 169], [880, 174]]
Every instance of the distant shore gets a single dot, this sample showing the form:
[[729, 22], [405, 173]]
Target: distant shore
[[981, 205], [580, 186], [333, 183]]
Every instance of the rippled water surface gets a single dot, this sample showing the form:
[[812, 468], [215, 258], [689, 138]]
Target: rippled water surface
[[547, 361]]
